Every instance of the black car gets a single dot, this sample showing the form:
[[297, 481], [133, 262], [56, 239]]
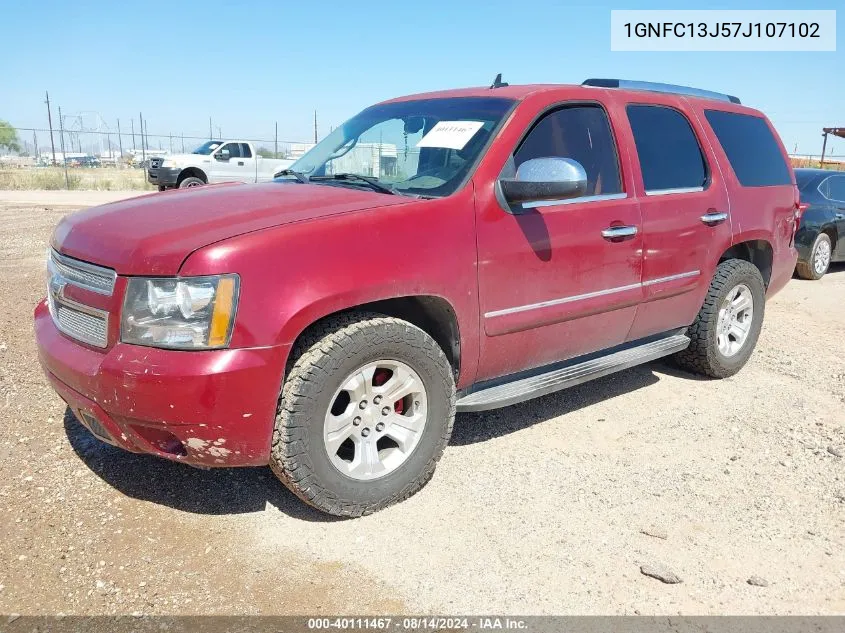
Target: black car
[[821, 236]]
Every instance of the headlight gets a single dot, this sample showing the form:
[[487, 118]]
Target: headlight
[[188, 313], [170, 164]]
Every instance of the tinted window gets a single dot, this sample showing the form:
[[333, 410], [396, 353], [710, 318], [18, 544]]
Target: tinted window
[[836, 188], [752, 150], [670, 156], [581, 133], [245, 151], [234, 150]]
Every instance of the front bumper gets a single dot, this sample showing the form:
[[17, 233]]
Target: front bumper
[[206, 408], [163, 176]]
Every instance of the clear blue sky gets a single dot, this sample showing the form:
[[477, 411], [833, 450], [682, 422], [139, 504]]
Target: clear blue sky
[[250, 64]]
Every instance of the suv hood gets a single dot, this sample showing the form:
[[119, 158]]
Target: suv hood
[[154, 234]]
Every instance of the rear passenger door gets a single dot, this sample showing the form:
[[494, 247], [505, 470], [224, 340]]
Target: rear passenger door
[[685, 209], [246, 164]]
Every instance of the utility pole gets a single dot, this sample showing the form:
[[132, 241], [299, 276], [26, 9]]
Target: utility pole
[[143, 149], [315, 127], [119, 139], [35, 145], [824, 147], [276, 145], [210, 132], [64, 156], [183, 142], [132, 125], [50, 122], [171, 142]]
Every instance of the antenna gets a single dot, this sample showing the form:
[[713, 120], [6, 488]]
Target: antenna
[[498, 83]]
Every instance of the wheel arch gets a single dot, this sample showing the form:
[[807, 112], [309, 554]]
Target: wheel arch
[[191, 172], [831, 231], [433, 314], [758, 252]]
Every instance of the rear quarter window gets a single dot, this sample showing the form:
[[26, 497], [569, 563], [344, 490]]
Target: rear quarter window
[[753, 152]]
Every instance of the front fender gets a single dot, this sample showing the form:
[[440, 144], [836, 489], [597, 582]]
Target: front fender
[[295, 274]]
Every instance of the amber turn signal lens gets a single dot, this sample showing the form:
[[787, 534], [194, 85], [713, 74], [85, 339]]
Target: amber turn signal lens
[[224, 308]]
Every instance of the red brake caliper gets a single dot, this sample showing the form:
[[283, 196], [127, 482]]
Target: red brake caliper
[[380, 377]]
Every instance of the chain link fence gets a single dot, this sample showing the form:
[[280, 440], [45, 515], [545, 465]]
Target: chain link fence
[[80, 154]]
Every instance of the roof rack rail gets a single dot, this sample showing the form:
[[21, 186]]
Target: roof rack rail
[[658, 87]]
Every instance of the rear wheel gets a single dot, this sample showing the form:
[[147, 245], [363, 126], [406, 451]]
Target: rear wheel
[[365, 414], [191, 181], [727, 327], [819, 261]]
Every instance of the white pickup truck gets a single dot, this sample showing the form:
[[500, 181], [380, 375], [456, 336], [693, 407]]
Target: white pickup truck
[[214, 161]]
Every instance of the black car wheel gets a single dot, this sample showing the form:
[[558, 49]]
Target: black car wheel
[[819, 260]]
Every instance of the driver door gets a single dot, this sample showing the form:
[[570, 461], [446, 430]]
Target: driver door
[[224, 166], [560, 278]]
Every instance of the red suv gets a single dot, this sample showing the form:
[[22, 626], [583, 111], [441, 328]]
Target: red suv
[[459, 250]]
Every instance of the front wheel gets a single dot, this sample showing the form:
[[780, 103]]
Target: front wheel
[[365, 414], [191, 181], [727, 327]]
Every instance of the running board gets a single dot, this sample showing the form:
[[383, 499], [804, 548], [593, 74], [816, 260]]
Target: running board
[[517, 390]]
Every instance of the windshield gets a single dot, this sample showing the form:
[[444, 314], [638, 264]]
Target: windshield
[[421, 147], [206, 148]]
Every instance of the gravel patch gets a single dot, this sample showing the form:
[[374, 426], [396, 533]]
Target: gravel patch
[[534, 509]]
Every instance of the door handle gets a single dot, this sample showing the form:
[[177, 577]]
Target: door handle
[[241, 163], [840, 216], [618, 232], [712, 218]]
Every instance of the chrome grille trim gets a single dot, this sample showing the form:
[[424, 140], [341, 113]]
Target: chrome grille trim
[[89, 276], [84, 323]]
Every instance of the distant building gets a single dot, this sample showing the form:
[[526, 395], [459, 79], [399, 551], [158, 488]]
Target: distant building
[[367, 159]]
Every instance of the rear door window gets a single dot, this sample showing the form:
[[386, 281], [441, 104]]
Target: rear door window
[[836, 188], [245, 151], [669, 153], [751, 148]]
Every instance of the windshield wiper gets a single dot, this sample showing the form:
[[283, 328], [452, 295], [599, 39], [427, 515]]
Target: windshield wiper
[[373, 183], [300, 177]]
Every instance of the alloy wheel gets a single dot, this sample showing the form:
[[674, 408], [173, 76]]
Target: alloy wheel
[[375, 420]]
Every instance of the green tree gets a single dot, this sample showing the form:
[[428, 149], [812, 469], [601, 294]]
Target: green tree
[[9, 137]]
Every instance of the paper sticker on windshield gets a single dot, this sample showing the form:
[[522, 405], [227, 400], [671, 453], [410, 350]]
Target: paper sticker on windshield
[[450, 134]]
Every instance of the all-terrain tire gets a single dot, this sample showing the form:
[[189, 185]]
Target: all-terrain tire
[[807, 270], [703, 355], [191, 181], [324, 357]]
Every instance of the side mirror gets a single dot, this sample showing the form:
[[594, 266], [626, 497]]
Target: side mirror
[[549, 178], [223, 154]]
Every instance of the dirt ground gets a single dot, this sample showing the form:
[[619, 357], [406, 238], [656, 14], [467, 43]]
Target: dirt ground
[[539, 508]]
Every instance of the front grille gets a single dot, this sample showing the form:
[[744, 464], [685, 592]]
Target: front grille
[[82, 322], [88, 328], [83, 274]]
